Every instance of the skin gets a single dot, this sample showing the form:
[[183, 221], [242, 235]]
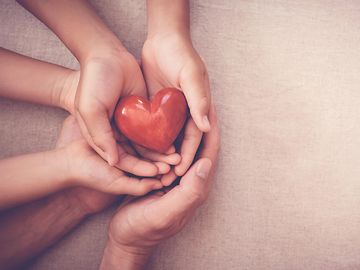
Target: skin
[[86, 40], [107, 72], [170, 60], [58, 88], [141, 224], [75, 164], [58, 213]]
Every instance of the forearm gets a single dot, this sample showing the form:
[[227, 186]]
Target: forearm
[[28, 79], [115, 257], [28, 230], [166, 17], [32, 176], [76, 23]]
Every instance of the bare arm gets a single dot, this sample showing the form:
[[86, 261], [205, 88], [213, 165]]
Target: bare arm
[[27, 79], [28, 177], [166, 17], [76, 23], [106, 67], [27, 230]]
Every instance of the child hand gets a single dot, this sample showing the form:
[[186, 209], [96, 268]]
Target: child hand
[[86, 168], [171, 61], [70, 87]]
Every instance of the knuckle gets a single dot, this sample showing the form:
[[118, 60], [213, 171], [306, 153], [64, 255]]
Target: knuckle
[[196, 196], [162, 224], [141, 189]]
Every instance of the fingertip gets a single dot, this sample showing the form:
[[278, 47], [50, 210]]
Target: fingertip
[[203, 168], [112, 159], [180, 170], [205, 124], [168, 178], [171, 150], [152, 170], [157, 185], [163, 168], [174, 159]]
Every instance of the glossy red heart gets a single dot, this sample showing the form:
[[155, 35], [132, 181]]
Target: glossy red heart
[[153, 124]]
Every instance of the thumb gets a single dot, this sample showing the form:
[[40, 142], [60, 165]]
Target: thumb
[[96, 128], [183, 198], [195, 84]]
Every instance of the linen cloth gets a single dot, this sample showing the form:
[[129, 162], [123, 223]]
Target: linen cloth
[[285, 77]]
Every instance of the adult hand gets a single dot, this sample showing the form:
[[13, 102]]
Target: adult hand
[[143, 223], [170, 60]]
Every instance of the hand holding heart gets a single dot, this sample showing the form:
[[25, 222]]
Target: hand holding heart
[[170, 60]]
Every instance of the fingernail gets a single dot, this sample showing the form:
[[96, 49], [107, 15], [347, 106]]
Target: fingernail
[[206, 122], [158, 185], [110, 160], [203, 169]]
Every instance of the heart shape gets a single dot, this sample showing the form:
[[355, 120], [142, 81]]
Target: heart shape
[[153, 124]]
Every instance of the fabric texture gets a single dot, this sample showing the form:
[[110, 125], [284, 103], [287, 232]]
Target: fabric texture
[[285, 78]]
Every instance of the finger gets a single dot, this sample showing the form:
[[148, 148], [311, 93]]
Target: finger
[[195, 84], [171, 159], [170, 150], [189, 146], [183, 198], [163, 168], [132, 186], [134, 165], [168, 178], [194, 185], [97, 131]]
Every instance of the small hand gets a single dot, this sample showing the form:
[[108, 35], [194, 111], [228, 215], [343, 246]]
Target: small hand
[[143, 223], [88, 169], [171, 61], [103, 80]]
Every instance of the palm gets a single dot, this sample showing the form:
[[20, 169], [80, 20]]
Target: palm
[[142, 224], [162, 64], [171, 61], [102, 82], [93, 201]]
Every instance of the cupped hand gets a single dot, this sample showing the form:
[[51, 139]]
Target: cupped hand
[[90, 200], [86, 168], [104, 79], [143, 223], [171, 61]]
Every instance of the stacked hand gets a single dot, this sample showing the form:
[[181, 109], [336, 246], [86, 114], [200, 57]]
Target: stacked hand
[[143, 223], [103, 159]]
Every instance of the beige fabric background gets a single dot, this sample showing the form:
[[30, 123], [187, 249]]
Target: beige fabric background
[[285, 77]]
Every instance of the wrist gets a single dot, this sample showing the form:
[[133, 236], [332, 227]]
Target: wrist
[[124, 257], [64, 90], [103, 50], [62, 163], [168, 17]]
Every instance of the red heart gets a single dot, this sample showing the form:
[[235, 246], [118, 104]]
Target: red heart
[[153, 124]]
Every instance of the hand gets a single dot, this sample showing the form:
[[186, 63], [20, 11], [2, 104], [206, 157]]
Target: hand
[[143, 223], [87, 169], [89, 200], [103, 80], [169, 60]]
